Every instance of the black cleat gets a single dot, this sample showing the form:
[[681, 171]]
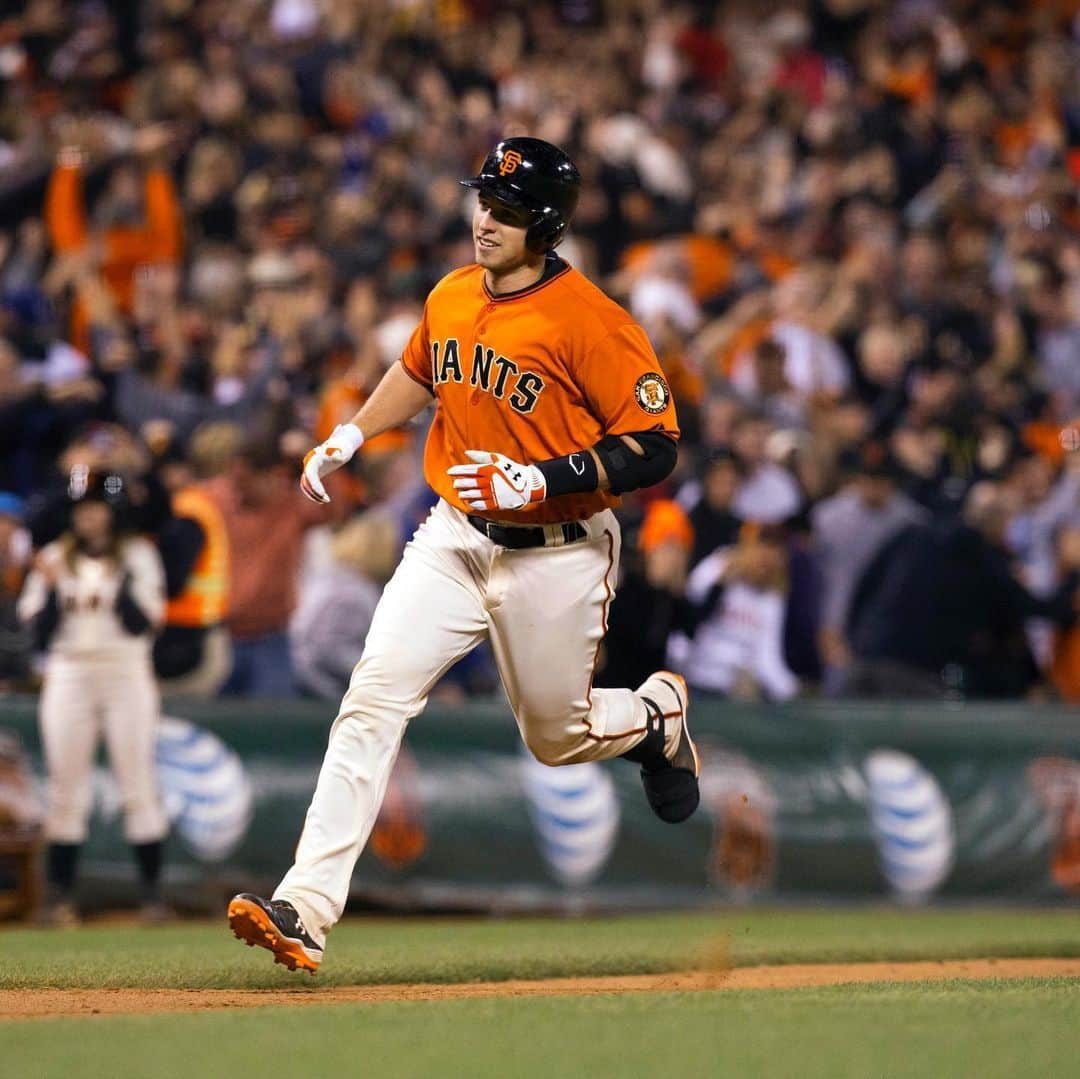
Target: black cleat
[[275, 925], [670, 776]]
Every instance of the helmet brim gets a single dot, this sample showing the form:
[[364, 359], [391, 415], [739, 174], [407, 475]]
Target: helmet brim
[[499, 189]]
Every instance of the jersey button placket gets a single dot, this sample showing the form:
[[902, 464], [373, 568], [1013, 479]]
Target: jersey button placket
[[481, 329]]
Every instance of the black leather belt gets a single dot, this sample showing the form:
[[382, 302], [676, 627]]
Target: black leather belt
[[517, 537]]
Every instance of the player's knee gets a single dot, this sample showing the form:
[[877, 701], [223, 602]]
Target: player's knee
[[376, 689], [369, 696], [549, 749], [547, 754]]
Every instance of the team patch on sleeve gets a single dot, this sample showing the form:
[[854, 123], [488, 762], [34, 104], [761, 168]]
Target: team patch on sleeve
[[652, 394]]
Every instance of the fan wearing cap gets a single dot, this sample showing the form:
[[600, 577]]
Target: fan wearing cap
[[95, 598], [549, 404]]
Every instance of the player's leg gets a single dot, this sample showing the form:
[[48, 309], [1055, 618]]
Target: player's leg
[[547, 627], [132, 711], [546, 633], [430, 614], [69, 730]]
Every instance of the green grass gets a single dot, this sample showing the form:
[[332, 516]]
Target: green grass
[[955, 1029], [381, 951]]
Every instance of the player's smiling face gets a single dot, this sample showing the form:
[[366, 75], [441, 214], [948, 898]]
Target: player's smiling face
[[499, 235]]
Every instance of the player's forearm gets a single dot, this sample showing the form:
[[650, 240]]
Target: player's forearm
[[617, 463], [602, 481], [636, 464], [397, 398]]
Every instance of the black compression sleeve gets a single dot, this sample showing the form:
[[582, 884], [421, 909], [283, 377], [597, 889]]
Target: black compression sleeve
[[46, 621], [571, 474], [180, 542], [131, 614], [628, 470]]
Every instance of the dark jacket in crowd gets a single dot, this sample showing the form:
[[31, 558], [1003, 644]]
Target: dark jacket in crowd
[[942, 595]]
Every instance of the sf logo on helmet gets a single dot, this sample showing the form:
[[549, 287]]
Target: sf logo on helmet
[[511, 160]]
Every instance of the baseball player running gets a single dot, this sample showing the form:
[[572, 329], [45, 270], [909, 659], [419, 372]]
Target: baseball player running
[[549, 404]]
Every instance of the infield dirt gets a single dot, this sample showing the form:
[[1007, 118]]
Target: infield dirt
[[66, 1003]]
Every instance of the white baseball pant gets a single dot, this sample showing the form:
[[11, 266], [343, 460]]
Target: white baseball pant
[[544, 610], [80, 698]]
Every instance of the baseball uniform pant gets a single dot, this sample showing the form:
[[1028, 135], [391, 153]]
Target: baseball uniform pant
[[81, 699], [544, 609]]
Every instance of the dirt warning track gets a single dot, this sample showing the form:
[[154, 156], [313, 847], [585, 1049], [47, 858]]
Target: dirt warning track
[[66, 1003]]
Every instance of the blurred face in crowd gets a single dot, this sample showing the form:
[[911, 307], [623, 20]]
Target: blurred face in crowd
[[990, 508], [799, 292], [874, 491], [749, 440], [254, 483], [10, 382], [92, 524], [881, 355], [720, 483], [9, 525], [769, 359], [122, 202], [666, 564], [761, 563], [718, 418], [1031, 479], [1068, 547], [921, 265], [499, 236]]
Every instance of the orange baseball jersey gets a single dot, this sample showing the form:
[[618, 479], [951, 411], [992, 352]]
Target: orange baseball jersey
[[532, 374]]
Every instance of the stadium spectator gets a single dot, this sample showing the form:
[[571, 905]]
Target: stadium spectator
[[736, 650], [265, 519], [193, 652], [649, 601], [767, 491], [330, 624], [16, 644], [1065, 666], [713, 522], [849, 529], [939, 610]]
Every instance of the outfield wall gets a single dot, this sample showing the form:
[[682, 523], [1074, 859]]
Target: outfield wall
[[806, 800]]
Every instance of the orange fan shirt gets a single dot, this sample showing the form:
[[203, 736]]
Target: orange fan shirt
[[532, 374]]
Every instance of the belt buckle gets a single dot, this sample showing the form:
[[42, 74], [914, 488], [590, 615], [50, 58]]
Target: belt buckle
[[573, 531]]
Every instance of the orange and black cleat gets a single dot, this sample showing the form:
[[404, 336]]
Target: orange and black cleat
[[274, 925]]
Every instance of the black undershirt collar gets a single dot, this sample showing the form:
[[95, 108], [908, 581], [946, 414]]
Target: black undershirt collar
[[553, 267]]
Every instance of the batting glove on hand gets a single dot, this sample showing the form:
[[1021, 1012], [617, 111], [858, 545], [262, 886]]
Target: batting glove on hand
[[494, 482], [337, 450]]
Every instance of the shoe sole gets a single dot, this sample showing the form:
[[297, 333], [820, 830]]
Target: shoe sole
[[251, 924], [684, 698]]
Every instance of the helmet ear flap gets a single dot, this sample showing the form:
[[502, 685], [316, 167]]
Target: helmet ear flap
[[544, 235]]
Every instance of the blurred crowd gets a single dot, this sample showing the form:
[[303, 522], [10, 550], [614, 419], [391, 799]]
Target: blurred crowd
[[850, 227]]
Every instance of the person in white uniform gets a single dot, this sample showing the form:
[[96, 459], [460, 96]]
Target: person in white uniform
[[95, 599]]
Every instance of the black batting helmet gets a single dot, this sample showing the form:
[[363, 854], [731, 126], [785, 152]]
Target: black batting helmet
[[535, 176]]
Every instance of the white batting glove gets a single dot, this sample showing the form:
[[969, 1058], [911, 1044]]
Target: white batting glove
[[328, 456], [494, 482]]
